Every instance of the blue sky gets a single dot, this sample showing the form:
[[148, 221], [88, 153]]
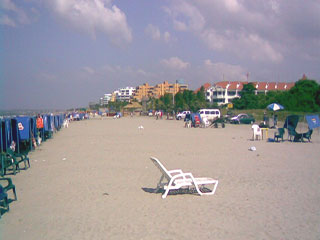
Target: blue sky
[[65, 53]]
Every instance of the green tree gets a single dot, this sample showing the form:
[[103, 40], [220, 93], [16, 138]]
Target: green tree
[[248, 98], [116, 106], [201, 97], [303, 96], [167, 102]]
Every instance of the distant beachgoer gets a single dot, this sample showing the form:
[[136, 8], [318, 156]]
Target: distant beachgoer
[[275, 120], [39, 125]]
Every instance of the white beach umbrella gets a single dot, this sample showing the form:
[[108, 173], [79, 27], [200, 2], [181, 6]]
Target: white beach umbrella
[[275, 107]]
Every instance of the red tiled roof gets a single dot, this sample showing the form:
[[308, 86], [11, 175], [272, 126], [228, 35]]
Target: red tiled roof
[[272, 86], [285, 86], [222, 84], [231, 85], [206, 87], [261, 86]]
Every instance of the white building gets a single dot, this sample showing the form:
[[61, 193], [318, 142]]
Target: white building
[[223, 92], [124, 94], [105, 99]]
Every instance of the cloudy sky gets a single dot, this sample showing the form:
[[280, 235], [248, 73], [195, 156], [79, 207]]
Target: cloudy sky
[[65, 53]]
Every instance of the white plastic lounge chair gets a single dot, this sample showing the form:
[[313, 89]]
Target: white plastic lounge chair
[[178, 179], [256, 132], [205, 122]]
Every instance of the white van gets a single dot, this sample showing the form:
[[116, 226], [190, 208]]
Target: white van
[[210, 114]]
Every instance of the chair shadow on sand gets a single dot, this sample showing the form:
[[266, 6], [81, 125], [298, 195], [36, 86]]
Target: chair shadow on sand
[[180, 191]]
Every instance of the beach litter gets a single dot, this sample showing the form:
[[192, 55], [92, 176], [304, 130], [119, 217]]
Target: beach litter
[[63, 159], [140, 127], [253, 148]]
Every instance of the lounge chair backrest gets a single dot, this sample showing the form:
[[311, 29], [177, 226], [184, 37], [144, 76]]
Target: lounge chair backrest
[[162, 169], [281, 131]]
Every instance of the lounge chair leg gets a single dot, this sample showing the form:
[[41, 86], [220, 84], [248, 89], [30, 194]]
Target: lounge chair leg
[[165, 193], [15, 194]]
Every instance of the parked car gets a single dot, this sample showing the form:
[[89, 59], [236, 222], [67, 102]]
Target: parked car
[[228, 116], [242, 118], [182, 115]]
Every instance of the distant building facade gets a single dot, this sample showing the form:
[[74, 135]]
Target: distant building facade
[[223, 92], [159, 90], [105, 99], [123, 94]]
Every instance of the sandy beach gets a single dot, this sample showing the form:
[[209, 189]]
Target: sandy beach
[[94, 180]]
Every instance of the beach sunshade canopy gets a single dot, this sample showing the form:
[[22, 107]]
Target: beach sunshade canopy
[[15, 133], [133, 105], [275, 107], [6, 134], [24, 127], [291, 121], [313, 121], [45, 123]]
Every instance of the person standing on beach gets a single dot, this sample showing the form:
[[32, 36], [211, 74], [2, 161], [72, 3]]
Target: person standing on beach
[[275, 120], [39, 124]]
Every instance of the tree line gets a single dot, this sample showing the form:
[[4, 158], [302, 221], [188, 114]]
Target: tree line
[[186, 100], [303, 97]]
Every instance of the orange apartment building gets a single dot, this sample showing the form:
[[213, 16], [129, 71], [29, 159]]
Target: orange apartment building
[[158, 90]]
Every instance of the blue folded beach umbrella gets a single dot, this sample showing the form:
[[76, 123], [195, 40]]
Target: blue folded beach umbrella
[[15, 133], [24, 127], [313, 121], [6, 133], [275, 107]]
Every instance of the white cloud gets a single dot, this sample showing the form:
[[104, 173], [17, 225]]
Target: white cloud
[[5, 20], [17, 14], [167, 37], [245, 46], [179, 25], [232, 5], [175, 63], [142, 72], [89, 70], [229, 26], [223, 71], [260, 49], [94, 16], [186, 17], [8, 5], [153, 32]]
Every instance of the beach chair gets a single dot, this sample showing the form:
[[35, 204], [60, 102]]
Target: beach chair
[[7, 184], [279, 135], [307, 135], [19, 158], [176, 179], [292, 133], [205, 122], [8, 162], [3, 200], [257, 133]]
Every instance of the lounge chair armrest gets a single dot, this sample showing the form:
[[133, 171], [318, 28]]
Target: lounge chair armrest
[[8, 180], [183, 176], [176, 171], [189, 175]]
